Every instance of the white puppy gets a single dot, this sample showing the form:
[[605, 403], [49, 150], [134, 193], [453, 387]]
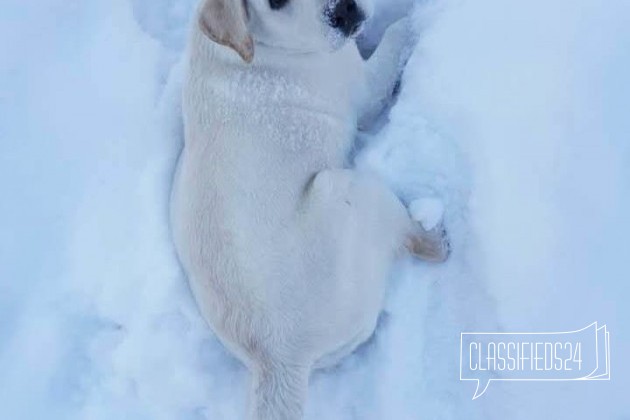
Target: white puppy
[[286, 251]]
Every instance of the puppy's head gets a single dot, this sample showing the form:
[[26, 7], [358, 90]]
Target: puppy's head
[[297, 26]]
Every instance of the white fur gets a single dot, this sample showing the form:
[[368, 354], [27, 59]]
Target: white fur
[[287, 253]]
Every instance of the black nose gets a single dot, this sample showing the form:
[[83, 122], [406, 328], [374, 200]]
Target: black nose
[[347, 17]]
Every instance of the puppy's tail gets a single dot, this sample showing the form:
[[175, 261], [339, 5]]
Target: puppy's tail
[[278, 392]]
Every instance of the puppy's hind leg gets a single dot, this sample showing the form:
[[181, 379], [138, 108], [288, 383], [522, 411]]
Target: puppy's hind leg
[[384, 222], [355, 228], [344, 195]]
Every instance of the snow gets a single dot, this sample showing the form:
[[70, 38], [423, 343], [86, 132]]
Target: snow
[[429, 211], [512, 114]]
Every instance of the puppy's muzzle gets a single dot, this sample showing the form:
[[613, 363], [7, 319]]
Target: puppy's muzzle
[[347, 17]]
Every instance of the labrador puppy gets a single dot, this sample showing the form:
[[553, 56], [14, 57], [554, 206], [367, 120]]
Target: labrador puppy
[[287, 252]]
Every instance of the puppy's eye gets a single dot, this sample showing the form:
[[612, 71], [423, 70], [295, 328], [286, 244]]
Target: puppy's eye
[[277, 4]]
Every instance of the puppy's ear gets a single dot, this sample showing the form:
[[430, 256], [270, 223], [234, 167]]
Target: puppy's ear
[[225, 22]]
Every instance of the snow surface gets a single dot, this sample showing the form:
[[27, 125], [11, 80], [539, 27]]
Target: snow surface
[[513, 114], [429, 211]]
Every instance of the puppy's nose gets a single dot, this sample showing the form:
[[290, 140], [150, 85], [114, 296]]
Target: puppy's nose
[[347, 17]]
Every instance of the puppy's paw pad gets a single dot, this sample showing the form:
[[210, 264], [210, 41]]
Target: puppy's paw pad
[[432, 246], [445, 246]]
